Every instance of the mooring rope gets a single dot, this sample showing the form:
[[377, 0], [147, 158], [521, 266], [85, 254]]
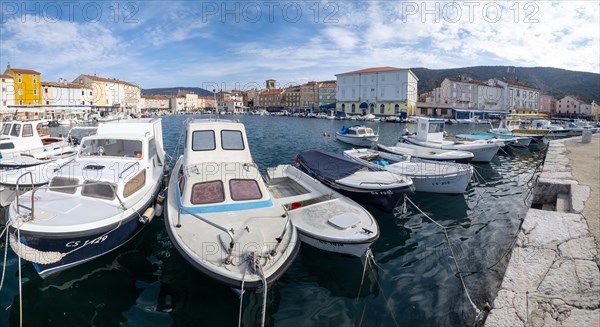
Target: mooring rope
[[5, 254], [254, 266], [451, 251]]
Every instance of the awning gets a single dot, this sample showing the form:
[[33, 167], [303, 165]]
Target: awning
[[364, 105]]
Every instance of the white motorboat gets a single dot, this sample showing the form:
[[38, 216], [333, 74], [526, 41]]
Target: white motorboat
[[427, 176], [220, 215], [325, 219], [358, 135], [94, 203], [22, 143], [421, 152], [430, 133]]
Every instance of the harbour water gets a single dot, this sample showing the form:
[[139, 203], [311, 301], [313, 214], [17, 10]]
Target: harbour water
[[414, 281]]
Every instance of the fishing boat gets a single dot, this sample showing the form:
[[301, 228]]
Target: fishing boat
[[94, 203], [220, 215], [421, 152], [358, 135], [325, 219], [507, 139], [427, 176], [23, 143], [373, 186], [430, 133]]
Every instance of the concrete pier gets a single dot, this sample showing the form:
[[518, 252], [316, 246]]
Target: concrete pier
[[553, 278]]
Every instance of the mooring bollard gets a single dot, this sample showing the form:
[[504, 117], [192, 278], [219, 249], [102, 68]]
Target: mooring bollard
[[586, 137]]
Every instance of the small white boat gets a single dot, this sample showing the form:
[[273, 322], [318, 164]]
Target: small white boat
[[358, 135], [325, 219], [94, 203], [430, 133], [23, 143], [421, 152], [427, 176], [220, 215]]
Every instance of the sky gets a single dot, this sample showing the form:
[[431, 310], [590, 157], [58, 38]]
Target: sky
[[240, 44]]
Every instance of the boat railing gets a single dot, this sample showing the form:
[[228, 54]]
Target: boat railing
[[57, 187], [217, 226]]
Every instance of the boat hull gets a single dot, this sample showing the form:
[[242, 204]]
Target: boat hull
[[79, 247], [344, 248], [442, 155], [483, 152], [357, 140]]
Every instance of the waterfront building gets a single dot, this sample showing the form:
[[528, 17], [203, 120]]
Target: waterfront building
[[177, 103], [230, 102], [520, 98], [270, 99], [468, 97], [291, 99], [154, 102], [7, 93], [249, 97], [572, 105], [63, 93], [547, 104], [326, 95], [26, 86], [112, 94], [595, 110], [309, 96], [207, 102], [383, 91]]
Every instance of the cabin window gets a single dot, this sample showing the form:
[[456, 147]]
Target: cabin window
[[112, 148], [135, 184], [352, 131], [151, 148], [232, 140], [27, 130], [100, 190], [16, 130], [435, 128], [63, 182], [5, 146], [203, 140], [6, 129], [208, 192], [244, 189]]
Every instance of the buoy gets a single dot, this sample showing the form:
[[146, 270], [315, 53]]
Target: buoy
[[328, 135], [296, 205], [324, 134], [147, 216]]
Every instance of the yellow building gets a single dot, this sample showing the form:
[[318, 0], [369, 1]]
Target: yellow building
[[27, 86]]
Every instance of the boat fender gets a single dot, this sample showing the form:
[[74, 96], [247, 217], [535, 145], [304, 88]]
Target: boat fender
[[295, 205], [160, 198], [147, 216], [158, 209]]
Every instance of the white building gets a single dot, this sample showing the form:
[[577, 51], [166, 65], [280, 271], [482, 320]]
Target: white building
[[573, 105], [154, 102], [7, 93], [112, 93], [520, 98], [62, 93], [380, 91]]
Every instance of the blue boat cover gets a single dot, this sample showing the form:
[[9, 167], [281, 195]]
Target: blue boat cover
[[344, 130], [475, 137], [327, 165]]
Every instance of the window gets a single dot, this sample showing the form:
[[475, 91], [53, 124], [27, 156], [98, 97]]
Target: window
[[396, 109], [64, 181], [244, 189], [382, 109], [112, 148], [232, 140], [20, 91], [16, 130], [34, 92], [34, 80], [135, 184], [353, 108], [207, 192], [46, 90], [27, 130], [100, 190], [203, 140], [6, 129]]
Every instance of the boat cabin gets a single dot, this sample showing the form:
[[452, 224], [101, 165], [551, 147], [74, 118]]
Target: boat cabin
[[23, 136], [357, 130], [218, 173], [430, 130]]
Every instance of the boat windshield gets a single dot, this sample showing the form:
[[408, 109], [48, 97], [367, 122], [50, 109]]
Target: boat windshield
[[436, 128], [6, 129], [112, 148]]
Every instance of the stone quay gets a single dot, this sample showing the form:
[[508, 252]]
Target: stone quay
[[552, 278]]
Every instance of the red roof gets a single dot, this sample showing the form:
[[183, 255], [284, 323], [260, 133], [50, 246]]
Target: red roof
[[272, 91], [22, 71], [155, 97], [5, 76], [372, 70]]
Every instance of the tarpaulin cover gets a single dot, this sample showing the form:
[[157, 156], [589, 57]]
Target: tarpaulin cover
[[330, 166]]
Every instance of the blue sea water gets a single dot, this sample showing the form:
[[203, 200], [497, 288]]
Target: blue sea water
[[414, 280]]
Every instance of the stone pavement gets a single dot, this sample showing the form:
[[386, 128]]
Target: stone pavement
[[553, 278]]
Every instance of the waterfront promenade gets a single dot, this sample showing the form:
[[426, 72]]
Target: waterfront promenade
[[552, 278]]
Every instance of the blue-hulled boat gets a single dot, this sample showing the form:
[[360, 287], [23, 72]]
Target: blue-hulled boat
[[364, 184]]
